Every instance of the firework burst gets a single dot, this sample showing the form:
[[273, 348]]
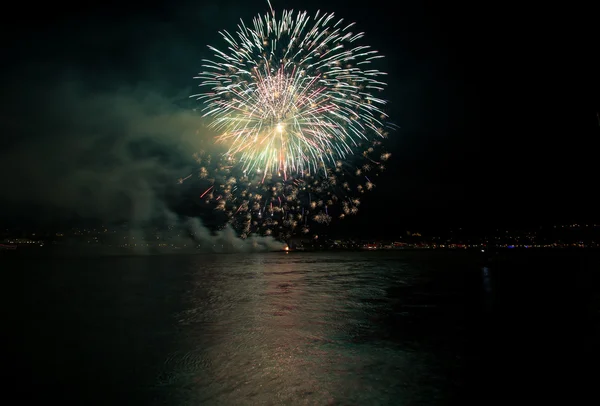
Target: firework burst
[[268, 204], [292, 101], [293, 94]]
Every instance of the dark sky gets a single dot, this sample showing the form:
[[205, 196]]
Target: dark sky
[[496, 106]]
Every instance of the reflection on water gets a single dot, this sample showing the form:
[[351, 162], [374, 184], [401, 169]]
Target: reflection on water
[[341, 328], [305, 330]]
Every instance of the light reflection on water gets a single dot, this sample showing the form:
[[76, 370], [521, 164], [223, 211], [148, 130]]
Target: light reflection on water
[[301, 329], [312, 328]]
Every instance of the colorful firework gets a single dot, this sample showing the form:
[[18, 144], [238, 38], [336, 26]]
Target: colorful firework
[[272, 205], [292, 94], [293, 103]]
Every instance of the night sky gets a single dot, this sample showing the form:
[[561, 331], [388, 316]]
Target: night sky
[[497, 108]]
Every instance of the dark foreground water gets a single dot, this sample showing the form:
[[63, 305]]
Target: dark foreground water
[[408, 328]]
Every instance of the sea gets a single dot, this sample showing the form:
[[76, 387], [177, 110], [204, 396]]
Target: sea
[[302, 328]]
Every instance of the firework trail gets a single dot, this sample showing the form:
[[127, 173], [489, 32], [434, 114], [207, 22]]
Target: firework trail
[[293, 102], [181, 180]]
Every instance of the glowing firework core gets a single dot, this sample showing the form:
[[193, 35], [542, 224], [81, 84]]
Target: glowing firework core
[[293, 94]]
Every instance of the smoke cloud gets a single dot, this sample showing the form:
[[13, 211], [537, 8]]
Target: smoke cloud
[[112, 156], [97, 155], [189, 235], [97, 122]]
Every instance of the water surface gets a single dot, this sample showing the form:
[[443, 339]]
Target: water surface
[[358, 328]]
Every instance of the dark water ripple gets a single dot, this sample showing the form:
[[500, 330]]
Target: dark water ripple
[[296, 329], [311, 329]]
